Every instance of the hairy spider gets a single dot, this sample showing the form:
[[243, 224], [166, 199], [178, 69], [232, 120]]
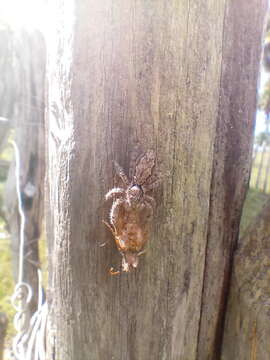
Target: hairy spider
[[134, 193], [132, 209]]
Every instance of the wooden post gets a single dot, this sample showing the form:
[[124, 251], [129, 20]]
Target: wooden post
[[170, 76], [247, 326]]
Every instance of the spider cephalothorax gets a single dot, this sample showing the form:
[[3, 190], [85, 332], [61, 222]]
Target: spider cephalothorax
[[134, 195], [132, 209], [134, 191]]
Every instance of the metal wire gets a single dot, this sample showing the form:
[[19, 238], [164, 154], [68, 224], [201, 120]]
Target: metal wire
[[29, 343]]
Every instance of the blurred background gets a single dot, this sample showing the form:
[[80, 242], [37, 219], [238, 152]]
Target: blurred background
[[22, 111]]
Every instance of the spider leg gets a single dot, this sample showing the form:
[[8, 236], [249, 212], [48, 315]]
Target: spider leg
[[120, 172], [141, 252], [133, 160], [114, 213], [114, 272], [153, 185], [125, 266], [103, 244], [115, 192], [111, 228], [144, 167], [150, 200]]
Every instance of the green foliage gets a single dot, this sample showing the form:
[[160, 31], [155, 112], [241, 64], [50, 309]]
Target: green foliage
[[5, 155], [3, 174], [1, 197], [263, 137], [6, 278], [253, 205], [7, 152]]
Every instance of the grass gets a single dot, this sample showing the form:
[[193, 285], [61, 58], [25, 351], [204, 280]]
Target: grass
[[7, 152], [6, 279], [6, 276]]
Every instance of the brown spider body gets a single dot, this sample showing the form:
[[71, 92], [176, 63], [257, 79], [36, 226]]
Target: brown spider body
[[132, 210]]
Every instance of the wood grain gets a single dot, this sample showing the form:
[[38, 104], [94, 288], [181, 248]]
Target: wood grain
[[247, 326], [154, 74]]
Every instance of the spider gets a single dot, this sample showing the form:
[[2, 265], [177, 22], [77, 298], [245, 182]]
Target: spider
[[133, 194], [132, 209]]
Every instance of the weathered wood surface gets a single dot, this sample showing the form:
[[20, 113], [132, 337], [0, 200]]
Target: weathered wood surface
[[242, 44], [247, 326], [28, 123], [164, 75]]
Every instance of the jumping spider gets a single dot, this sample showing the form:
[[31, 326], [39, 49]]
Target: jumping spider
[[132, 209]]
